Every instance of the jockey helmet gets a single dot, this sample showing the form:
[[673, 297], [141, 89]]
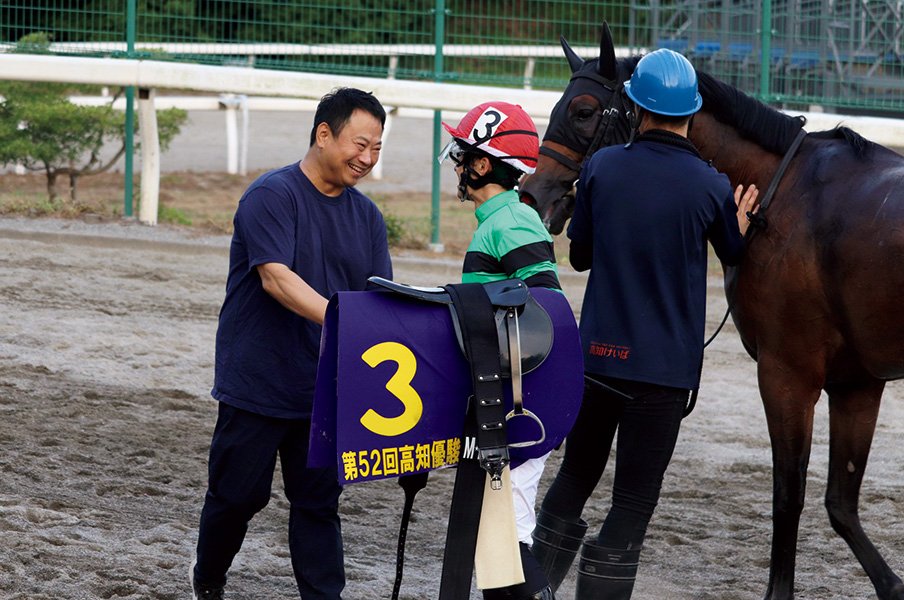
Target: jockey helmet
[[499, 129], [665, 83]]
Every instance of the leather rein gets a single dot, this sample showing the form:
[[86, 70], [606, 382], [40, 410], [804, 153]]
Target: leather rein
[[758, 219]]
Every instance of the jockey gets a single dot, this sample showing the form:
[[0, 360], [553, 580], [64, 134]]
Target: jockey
[[644, 214], [492, 147]]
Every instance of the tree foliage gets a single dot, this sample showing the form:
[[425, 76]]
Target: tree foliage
[[42, 130]]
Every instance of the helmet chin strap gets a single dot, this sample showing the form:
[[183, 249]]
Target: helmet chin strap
[[469, 178]]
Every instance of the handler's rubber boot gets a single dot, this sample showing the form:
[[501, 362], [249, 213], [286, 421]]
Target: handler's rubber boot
[[606, 573], [556, 542]]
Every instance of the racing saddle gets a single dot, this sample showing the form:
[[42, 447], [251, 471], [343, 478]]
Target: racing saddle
[[523, 333]]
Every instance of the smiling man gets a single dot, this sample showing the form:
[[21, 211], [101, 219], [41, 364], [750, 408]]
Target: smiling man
[[302, 233]]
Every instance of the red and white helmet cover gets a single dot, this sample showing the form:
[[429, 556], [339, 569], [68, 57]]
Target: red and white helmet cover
[[502, 130]]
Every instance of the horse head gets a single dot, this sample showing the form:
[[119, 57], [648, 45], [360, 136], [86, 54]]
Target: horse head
[[593, 112]]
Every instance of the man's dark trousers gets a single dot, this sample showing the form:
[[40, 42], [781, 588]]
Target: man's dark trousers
[[242, 461]]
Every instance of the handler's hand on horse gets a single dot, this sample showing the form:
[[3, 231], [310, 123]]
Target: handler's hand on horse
[[746, 201]]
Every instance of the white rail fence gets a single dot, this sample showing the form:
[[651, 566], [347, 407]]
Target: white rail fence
[[241, 89], [245, 54]]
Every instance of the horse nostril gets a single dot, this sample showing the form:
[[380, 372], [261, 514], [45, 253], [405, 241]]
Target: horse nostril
[[529, 200]]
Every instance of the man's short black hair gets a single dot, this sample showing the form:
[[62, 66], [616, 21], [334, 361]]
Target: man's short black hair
[[336, 108], [666, 119]]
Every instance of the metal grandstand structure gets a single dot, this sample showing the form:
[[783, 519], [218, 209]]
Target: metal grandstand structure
[[850, 50]]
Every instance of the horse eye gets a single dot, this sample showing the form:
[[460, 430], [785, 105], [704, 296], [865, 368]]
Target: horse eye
[[584, 113]]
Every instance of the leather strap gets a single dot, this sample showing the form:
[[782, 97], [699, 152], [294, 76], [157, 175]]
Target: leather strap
[[561, 158], [757, 222], [411, 484], [782, 167], [461, 535], [485, 421], [758, 219], [476, 317]]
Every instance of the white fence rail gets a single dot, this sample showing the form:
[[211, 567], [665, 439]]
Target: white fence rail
[[280, 90], [248, 52]]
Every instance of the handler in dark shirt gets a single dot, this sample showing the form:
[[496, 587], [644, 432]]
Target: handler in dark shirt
[[644, 213], [302, 233]]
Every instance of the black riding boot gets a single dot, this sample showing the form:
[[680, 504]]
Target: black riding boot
[[606, 573], [556, 542], [534, 586], [510, 594]]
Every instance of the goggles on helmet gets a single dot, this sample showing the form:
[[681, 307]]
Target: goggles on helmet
[[454, 152]]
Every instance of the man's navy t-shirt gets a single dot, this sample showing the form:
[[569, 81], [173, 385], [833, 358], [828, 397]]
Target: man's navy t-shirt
[[266, 355], [648, 211]]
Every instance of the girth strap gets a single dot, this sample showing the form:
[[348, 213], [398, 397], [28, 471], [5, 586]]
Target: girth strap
[[476, 318], [485, 421]]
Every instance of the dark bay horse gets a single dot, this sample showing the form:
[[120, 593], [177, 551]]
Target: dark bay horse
[[817, 298]]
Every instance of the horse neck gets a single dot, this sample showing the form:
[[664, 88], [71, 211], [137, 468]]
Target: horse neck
[[744, 161]]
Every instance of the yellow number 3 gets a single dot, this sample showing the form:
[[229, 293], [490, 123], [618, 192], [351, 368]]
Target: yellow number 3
[[399, 386]]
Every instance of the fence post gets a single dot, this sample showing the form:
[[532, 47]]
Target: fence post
[[150, 157], [129, 140], [766, 50], [440, 33]]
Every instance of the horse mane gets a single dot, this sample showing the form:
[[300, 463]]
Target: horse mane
[[857, 142], [771, 129]]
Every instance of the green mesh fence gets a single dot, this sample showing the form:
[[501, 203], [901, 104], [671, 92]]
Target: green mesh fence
[[832, 54]]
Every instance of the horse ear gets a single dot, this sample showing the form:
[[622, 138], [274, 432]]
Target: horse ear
[[574, 61], [606, 65]]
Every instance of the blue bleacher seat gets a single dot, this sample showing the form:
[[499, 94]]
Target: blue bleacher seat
[[804, 59], [678, 45], [858, 58], [739, 51], [707, 49]]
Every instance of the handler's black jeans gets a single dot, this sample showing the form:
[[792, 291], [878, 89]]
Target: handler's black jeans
[[648, 427], [242, 460]]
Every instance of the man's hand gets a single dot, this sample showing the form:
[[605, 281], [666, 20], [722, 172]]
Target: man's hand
[[746, 201]]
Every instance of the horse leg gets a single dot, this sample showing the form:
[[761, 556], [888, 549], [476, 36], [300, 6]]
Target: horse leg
[[853, 410], [789, 400]]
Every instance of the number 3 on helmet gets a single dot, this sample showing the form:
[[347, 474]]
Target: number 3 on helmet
[[501, 130]]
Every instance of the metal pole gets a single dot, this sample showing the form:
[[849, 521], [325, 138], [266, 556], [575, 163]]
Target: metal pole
[[440, 31], [130, 111], [765, 50]]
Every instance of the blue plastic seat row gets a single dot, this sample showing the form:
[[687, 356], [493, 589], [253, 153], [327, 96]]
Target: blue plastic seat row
[[676, 44], [703, 49], [743, 51]]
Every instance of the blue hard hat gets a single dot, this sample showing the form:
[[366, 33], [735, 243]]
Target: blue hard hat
[[665, 83]]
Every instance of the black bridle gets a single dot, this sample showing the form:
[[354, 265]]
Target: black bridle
[[607, 132]]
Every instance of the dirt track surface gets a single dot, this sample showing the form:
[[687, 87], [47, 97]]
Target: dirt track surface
[[106, 360]]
